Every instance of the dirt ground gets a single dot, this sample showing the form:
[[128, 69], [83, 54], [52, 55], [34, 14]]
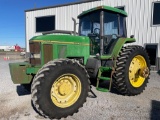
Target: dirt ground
[[15, 102], [10, 55]]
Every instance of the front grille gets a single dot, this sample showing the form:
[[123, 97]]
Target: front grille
[[35, 61], [35, 48], [48, 52]]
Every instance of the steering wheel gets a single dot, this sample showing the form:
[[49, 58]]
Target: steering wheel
[[116, 36], [96, 31]]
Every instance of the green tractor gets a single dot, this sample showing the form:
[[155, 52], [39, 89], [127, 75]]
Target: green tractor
[[62, 65]]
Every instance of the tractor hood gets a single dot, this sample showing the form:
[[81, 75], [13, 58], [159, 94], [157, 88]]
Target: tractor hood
[[62, 39]]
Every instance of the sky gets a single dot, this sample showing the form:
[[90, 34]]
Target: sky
[[12, 18]]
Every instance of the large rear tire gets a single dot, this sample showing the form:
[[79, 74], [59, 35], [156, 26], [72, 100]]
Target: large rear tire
[[60, 88], [132, 70]]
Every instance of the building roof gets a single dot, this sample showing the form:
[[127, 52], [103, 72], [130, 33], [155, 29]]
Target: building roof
[[61, 5], [103, 8]]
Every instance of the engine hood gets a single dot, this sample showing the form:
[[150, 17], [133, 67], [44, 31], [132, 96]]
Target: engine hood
[[61, 39]]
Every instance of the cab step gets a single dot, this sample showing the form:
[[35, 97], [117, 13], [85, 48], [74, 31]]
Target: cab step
[[100, 77], [104, 69], [104, 78], [102, 89]]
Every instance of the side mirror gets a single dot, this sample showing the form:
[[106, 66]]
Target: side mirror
[[132, 36]]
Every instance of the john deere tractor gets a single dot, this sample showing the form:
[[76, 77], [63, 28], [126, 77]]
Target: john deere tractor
[[62, 65]]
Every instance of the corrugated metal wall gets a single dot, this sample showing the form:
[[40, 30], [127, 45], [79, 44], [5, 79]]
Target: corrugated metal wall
[[138, 21]]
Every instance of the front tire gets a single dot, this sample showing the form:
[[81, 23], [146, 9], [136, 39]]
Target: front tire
[[60, 88], [132, 70]]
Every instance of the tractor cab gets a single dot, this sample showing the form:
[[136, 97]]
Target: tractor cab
[[103, 25]]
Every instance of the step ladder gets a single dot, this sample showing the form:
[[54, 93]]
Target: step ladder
[[100, 77]]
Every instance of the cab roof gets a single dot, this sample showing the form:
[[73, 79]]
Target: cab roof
[[106, 8]]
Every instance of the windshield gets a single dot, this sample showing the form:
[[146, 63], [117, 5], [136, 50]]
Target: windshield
[[113, 26], [110, 24], [90, 24]]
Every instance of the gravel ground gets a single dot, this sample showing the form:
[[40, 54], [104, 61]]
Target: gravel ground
[[15, 102]]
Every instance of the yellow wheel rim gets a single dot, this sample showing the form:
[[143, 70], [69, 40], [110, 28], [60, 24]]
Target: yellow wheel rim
[[138, 71], [65, 90]]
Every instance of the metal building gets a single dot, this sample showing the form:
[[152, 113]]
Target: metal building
[[143, 21]]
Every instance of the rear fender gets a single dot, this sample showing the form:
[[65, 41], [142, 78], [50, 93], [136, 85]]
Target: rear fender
[[117, 48], [120, 43]]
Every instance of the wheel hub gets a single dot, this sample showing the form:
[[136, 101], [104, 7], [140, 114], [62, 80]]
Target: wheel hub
[[144, 72], [65, 90], [138, 71]]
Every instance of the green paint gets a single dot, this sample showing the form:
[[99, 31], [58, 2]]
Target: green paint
[[106, 57], [42, 54], [120, 44], [103, 69], [55, 51], [71, 50], [78, 51], [104, 78], [62, 51], [32, 70], [114, 54], [107, 8], [61, 39], [18, 73], [75, 46], [21, 73], [102, 89], [117, 48], [100, 77]]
